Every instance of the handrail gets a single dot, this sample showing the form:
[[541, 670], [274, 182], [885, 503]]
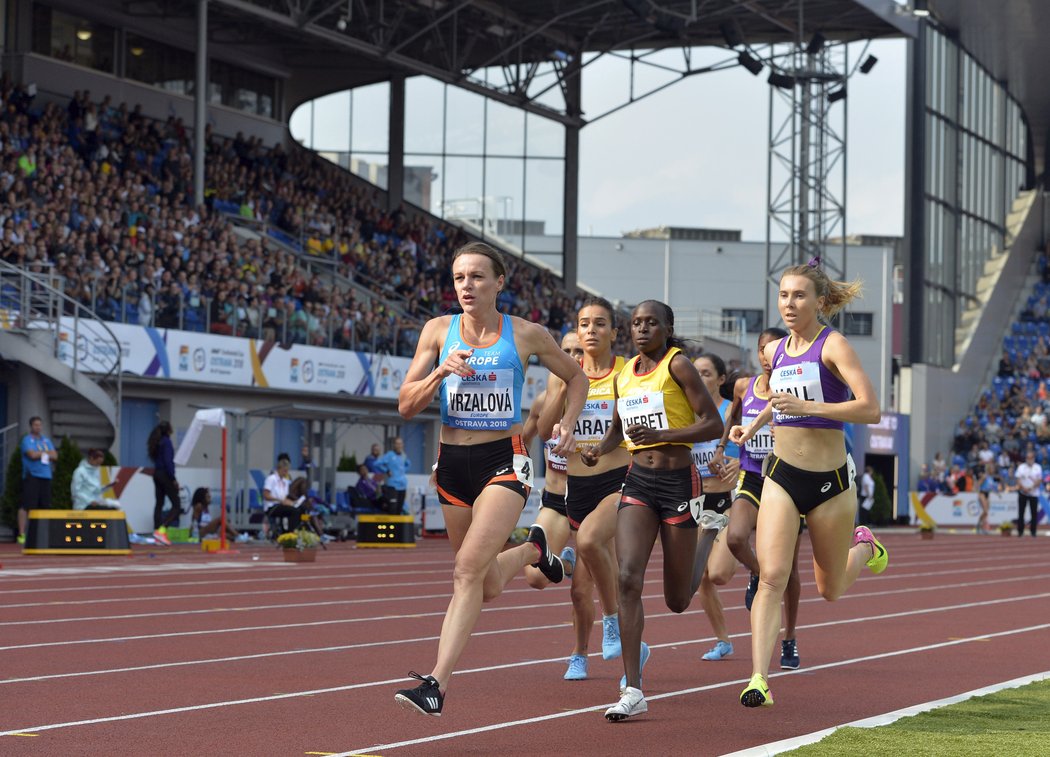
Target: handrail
[[36, 302]]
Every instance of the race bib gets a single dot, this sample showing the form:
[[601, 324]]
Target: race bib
[[523, 469], [703, 453], [802, 380], [761, 444], [482, 401], [695, 507], [594, 421], [556, 462], [643, 410]]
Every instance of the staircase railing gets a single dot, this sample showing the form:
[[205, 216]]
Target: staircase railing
[[34, 304]]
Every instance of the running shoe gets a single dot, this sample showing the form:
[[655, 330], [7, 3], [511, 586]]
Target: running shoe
[[632, 702], [719, 651], [749, 593], [789, 654], [161, 535], [712, 521], [757, 693], [611, 648], [568, 561], [21, 539], [577, 668], [244, 538], [879, 556], [641, 666], [549, 565], [426, 698]]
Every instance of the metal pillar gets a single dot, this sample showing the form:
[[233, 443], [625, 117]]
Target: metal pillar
[[913, 309], [395, 173], [200, 102], [806, 180], [571, 178]]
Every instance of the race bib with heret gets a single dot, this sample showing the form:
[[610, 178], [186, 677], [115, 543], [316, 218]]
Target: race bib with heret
[[484, 401], [801, 380], [643, 410]]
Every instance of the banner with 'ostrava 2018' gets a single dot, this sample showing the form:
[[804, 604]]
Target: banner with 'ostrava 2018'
[[236, 361]]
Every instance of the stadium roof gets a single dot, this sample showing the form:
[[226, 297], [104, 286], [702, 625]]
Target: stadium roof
[[330, 45], [1009, 39]]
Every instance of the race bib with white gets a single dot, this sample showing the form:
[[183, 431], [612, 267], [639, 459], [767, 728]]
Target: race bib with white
[[761, 444], [695, 507], [45, 459], [802, 380], [523, 469], [594, 421], [482, 401], [556, 462], [643, 410], [703, 453]]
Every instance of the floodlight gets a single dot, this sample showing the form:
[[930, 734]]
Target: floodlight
[[732, 33], [868, 64], [749, 62], [838, 94], [783, 81], [920, 8]]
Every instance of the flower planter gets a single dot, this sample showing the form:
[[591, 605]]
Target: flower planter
[[1008, 532], [295, 555], [926, 533]]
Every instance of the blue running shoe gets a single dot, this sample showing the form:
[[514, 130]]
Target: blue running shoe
[[568, 560], [611, 648], [720, 650], [641, 666], [577, 668]]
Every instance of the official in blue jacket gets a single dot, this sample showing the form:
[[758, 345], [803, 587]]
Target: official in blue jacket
[[394, 465]]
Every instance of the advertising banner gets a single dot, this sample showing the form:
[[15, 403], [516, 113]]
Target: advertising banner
[[963, 509], [235, 361]]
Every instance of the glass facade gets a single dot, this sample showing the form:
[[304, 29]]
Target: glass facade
[[93, 45], [975, 147], [494, 168]]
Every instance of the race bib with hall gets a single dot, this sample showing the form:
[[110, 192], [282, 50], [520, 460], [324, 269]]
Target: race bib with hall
[[643, 410], [802, 380], [484, 401]]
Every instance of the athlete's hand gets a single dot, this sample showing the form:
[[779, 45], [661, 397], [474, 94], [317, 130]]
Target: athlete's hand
[[740, 434], [641, 434], [788, 403], [456, 363], [590, 456], [730, 469], [717, 461], [566, 441]]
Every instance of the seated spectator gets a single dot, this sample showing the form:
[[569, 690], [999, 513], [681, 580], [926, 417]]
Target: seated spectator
[[204, 524], [310, 504], [927, 483], [367, 488], [959, 480], [86, 487], [277, 503]]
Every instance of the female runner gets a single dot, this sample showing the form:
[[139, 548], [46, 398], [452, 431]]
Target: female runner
[[718, 494], [552, 503], [593, 492], [476, 360], [750, 397], [814, 371], [661, 408]]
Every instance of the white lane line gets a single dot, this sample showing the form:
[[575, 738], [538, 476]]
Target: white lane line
[[684, 692], [423, 597], [495, 726], [515, 608], [391, 642], [786, 745]]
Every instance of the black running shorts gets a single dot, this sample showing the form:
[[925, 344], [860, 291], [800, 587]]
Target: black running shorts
[[809, 489], [552, 501], [464, 470], [583, 494], [675, 495]]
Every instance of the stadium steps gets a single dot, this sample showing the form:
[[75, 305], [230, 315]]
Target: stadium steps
[[72, 359], [970, 318]]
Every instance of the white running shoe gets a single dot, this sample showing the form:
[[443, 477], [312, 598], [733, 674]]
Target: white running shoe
[[631, 703], [712, 521]]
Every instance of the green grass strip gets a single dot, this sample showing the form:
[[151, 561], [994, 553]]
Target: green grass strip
[[1009, 722]]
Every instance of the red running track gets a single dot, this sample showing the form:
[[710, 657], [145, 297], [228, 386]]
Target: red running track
[[182, 653]]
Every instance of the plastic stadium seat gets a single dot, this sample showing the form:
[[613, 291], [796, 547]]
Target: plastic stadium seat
[[1015, 327], [1029, 328], [342, 502]]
